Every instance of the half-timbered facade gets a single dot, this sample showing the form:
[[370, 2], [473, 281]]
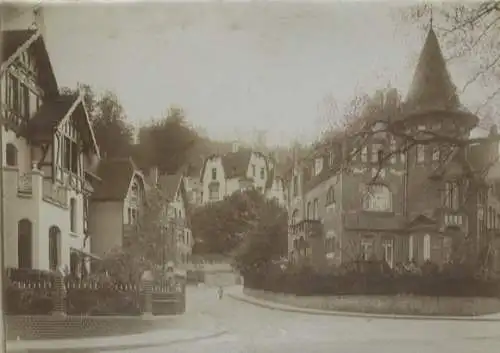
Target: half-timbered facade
[[49, 154]]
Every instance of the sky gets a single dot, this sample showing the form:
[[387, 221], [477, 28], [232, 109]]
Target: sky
[[236, 67]]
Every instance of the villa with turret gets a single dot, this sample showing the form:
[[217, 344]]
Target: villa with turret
[[426, 199]]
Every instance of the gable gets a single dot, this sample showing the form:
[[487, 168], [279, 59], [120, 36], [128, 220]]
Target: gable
[[22, 46], [65, 113], [213, 161], [421, 220]]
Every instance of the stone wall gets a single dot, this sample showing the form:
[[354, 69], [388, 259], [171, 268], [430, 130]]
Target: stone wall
[[400, 305]]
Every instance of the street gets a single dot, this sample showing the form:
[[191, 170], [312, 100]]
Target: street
[[252, 329]]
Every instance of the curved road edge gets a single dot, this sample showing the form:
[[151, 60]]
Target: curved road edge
[[74, 346], [237, 294]]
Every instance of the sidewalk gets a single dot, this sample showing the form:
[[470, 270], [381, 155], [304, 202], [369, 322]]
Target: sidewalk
[[150, 339], [236, 293]]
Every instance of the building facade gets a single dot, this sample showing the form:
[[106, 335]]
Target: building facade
[[49, 156], [115, 206], [405, 185], [222, 175], [177, 224]]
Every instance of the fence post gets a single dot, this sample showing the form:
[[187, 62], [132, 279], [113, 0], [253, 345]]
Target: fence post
[[59, 294], [147, 289]]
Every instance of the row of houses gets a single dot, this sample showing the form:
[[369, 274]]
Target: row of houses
[[370, 193], [62, 201]]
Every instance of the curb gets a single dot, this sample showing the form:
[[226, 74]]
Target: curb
[[100, 348], [281, 307]]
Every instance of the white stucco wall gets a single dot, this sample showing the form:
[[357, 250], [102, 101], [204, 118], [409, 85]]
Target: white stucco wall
[[39, 212], [259, 162], [216, 163], [232, 185], [42, 215]]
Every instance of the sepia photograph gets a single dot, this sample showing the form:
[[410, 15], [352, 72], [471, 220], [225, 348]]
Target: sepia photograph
[[249, 176]]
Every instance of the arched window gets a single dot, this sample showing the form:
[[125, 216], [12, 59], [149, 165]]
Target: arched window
[[330, 196], [316, 209], [377, 197], [54, 247], [11, 155], [308, 210], [24, 244]]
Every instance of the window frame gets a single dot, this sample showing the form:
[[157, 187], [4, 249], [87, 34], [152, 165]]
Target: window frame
[[371, 197], [11, 152]]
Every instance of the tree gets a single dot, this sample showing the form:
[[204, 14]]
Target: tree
[[470, 31], [265, 241], [166, 142], [148, 240], [219, 227], [113, 133]]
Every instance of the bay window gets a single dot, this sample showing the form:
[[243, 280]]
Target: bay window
[[70, 154]]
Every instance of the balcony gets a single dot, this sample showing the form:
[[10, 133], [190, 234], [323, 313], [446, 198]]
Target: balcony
[[54, 193], [309, 228], [454, 219], [34, 185], [25, 185], [12, 119]]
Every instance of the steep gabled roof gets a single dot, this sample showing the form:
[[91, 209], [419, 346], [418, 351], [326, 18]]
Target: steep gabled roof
[[235, 164], [116, 175], [170, 184], [48, 117], [15, 42], [50, 114]]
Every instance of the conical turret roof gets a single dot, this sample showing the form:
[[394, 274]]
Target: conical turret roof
[[432, 88]]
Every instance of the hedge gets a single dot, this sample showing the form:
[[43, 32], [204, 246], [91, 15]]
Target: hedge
[[437, 284]]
